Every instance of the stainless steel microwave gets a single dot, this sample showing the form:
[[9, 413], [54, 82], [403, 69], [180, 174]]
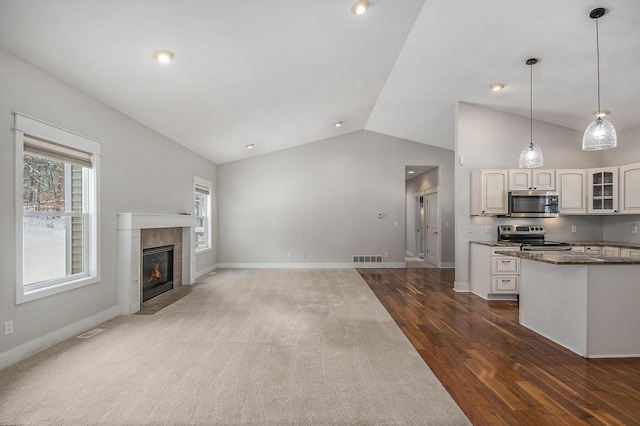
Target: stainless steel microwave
[[533, 204]]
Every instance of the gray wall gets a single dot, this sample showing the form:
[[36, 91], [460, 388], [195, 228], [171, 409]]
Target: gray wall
[[428, 180], [490, 139], [323, 199], [141, 171]]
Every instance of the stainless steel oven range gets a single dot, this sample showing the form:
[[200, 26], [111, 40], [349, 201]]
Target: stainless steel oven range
[[531, 237]]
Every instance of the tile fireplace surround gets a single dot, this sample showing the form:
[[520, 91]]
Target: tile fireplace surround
[[129, 253]]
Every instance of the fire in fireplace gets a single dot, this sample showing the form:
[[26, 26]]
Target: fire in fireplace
[[157, 271]]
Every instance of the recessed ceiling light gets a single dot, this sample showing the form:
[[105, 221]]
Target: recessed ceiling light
[[339, 123], [249, 146], [496, 86], [411, 172], [601, 112], [164, 56], [360, 7]]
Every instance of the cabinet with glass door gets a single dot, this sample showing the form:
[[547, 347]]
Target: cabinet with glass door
[[603, 190]]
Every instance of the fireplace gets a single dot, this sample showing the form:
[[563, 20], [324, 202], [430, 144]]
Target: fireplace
[[157, 271]]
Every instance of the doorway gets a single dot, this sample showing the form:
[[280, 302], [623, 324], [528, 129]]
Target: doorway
[[422, 233]]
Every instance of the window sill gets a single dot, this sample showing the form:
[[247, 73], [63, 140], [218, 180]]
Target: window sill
[[204, 250], [27, 296]]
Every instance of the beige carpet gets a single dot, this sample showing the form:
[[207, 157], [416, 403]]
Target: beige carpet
[[261, 347]]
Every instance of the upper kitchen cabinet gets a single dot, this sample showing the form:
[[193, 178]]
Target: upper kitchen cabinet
[[571, 185], [630, 189], [603, 191], [489, 192], [531, 179]]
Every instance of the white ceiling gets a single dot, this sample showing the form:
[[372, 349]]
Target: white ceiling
[[279, 73]]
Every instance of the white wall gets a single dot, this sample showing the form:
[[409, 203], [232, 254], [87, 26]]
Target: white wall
[[490, 139], [618, 228], [428, 180], [323, 199], [141, 171]]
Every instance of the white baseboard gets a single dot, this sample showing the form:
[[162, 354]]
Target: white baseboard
[[311, 265], [205, 271], [33, 347], [461, 287]]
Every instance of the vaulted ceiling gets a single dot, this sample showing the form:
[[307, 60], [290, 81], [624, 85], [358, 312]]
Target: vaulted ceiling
[[280, 73]]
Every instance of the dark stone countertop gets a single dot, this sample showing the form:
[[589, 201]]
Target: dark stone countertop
[[570, 258], [573, 243]]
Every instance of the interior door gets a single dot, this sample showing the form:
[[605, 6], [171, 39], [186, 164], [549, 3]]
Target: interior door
[[433, 229], [420, 221]]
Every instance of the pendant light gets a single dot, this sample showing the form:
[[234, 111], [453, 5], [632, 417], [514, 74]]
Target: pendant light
[[600, 134], [531, 155]]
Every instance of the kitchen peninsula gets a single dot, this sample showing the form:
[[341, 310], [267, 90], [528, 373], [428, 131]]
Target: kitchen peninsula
[[586, 303]]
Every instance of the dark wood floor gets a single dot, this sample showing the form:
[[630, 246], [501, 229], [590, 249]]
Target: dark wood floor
[[499, 372]]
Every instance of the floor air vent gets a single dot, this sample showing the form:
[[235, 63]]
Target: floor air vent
[[367, 259], [90, 333]]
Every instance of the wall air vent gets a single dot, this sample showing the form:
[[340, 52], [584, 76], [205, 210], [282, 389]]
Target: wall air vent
[[367, 259]]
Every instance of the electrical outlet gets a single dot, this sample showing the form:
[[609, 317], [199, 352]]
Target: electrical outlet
[[288, 254], [574, 228], [8, 327], [634, 229], [386, 254], [487, 229]]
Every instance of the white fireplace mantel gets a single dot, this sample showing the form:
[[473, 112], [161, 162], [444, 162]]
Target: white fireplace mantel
[[129, 226]]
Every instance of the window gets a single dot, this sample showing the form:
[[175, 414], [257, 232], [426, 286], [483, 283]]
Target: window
[[202, 214], [56, 187]]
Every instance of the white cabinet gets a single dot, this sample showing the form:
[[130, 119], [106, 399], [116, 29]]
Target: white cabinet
[[571, 185], [505, 271], [526, 179], [603, 190], [493, 276], [628, 252], [611, 251], [489, 192], [630, 188], [593, 249]]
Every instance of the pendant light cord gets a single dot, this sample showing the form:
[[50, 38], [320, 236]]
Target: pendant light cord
[[598, 61], [531, 101]]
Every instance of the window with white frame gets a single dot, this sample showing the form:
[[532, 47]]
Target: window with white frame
[[57, 198], [202, 214]]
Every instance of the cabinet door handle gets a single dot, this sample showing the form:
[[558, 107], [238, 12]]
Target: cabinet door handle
[[506, 261], [505, 281]]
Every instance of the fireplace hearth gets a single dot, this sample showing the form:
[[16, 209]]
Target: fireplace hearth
[[157, 271]]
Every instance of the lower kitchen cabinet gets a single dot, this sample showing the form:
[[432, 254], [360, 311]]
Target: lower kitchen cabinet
[[493, 276], [628, 252], [611, 251]]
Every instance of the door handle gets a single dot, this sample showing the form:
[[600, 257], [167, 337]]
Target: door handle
[[435, 233]]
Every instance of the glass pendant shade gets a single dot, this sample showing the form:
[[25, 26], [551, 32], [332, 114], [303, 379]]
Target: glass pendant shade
[[531, 157], [599, 135]]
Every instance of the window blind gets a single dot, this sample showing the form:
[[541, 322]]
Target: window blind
[[53, 151], [201, 189]]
